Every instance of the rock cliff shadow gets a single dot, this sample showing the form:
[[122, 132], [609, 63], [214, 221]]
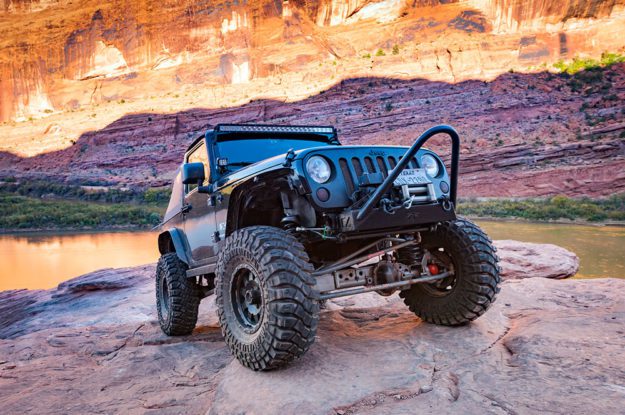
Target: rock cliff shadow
[[145, 148]]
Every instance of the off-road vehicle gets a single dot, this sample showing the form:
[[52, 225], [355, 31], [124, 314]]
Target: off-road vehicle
[[276, 219]]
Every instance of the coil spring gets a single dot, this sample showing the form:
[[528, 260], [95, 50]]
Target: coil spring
[[409, 255]]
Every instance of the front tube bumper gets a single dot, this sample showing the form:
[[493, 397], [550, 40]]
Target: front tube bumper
[[375, 197]]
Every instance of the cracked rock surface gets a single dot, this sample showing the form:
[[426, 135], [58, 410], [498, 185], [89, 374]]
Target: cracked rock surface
[[93, 345]]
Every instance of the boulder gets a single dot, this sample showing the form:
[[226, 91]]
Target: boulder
[[526, 260]]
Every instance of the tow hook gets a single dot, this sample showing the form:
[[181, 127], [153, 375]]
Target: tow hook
[[445, 204]]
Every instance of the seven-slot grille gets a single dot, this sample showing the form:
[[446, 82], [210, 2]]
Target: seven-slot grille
[[354, 167]]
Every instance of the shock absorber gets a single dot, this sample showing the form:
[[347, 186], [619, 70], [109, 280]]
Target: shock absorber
[[289, 224]]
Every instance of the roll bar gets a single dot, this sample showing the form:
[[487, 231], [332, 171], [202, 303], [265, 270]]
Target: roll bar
[[388, 182]]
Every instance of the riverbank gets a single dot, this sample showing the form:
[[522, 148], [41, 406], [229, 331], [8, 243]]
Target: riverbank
[[563, 222], [94, 345], [557, 209], [22, 213], [31, 206]]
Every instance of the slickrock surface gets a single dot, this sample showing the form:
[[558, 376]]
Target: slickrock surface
[[94, 346]]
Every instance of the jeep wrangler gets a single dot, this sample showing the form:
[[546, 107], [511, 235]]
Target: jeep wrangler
[[275, 219]]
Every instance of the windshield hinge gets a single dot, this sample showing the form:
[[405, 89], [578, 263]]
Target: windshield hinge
[[288, 159]]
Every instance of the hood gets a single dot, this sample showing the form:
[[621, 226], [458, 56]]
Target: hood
[[262, 166]]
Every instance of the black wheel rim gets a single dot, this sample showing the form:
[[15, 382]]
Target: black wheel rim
[[444, 287], [247, 298], [164, 298]]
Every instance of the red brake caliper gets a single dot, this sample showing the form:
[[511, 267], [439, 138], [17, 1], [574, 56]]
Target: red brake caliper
[[433, 268]]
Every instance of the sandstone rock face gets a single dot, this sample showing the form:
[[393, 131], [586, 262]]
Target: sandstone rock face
[[94, 345], [76, 44], [535, 15]]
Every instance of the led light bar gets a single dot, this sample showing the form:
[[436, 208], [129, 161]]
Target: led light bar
[[274, 129]]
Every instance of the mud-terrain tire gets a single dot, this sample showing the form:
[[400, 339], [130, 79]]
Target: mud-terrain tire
[[270, 268], [177, 297], [475, 283]]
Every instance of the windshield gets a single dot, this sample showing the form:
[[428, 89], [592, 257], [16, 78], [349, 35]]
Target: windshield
[[248, 151]]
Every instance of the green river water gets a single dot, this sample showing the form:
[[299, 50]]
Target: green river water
[[42, 261]]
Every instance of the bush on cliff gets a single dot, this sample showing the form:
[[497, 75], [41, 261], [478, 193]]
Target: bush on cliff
[[585, 64]]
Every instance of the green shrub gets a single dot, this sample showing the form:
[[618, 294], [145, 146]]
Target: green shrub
[[590, 76], [48, 205], [158, 196], [585, 64], [63, 214], [39, 188], [557, 207], [608, 59], [380, 52]]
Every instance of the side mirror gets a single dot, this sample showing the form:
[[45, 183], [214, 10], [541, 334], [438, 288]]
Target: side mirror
[[193, 173]]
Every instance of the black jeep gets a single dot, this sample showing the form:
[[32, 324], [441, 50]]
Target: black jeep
[[276, 219]]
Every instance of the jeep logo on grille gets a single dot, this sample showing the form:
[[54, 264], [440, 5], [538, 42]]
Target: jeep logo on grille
[[377, 153]]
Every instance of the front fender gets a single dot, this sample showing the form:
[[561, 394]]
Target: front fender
[[173, 240], [237, 192]]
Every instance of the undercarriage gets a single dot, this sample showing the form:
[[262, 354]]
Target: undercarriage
[[384, 266]]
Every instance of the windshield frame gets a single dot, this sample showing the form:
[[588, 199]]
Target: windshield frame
[[322, 141]]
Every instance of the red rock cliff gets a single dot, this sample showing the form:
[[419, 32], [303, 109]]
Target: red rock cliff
[[53, 62]]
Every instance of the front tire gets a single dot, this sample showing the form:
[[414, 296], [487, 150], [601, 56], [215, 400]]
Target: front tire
[[177, 297], [267, 306], [469, 293]]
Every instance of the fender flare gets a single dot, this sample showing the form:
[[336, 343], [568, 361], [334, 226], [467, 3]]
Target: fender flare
[[173, 240], [239, 188]]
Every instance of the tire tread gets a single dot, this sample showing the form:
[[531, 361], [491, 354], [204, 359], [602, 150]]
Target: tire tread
[[291, 306], [183, 293], [476, 257]]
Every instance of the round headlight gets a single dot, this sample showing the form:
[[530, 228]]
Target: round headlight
[[430, 165], [318, 169]]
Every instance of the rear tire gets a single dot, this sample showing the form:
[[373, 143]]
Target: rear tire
[[267, 306], [475, 284], [177, 297]]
